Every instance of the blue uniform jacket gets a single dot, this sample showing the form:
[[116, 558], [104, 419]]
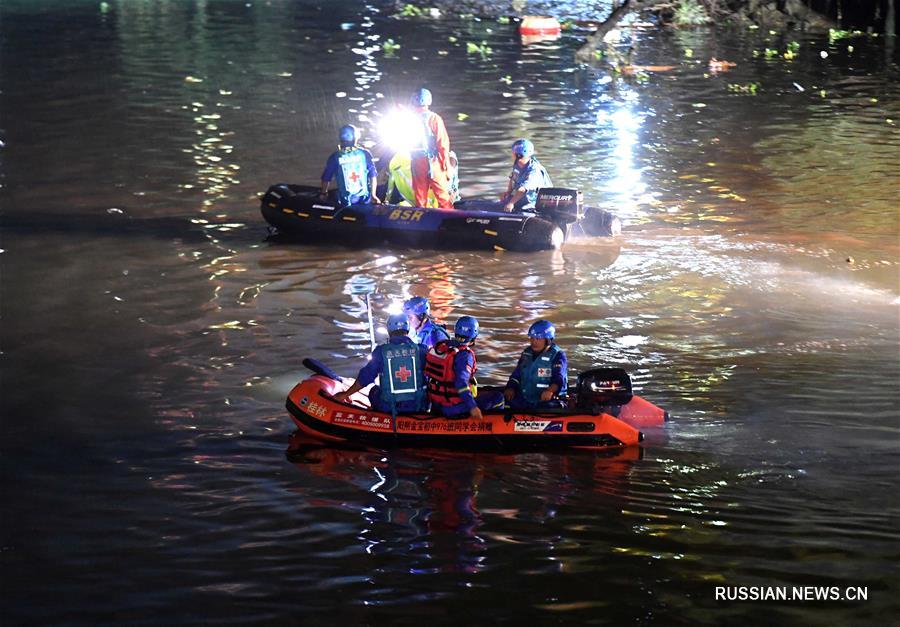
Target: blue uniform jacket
[[332, 167], [430, 334], [372, 370], [560, 369], [531, 177]]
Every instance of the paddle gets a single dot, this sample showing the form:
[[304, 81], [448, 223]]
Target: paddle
[[319, 368], [366, 289]]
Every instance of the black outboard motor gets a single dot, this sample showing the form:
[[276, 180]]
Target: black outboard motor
[[560, 205], [607, 388]]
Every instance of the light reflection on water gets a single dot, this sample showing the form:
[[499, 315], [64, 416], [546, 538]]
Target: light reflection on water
[[176, 331]]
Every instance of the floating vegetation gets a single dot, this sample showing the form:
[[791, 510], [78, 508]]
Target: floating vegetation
[[743, 88], [390, 47], [835, 34], [410, 10], [483, 49]]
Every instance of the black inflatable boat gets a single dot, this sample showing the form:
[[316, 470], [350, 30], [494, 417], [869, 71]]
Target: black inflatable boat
[[298, 213]]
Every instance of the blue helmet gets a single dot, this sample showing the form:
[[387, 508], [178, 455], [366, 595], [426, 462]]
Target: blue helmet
[[466, 327], [542, 329], [348, 134], [418, 306], [421, 98], [398, 322], [523, 148]]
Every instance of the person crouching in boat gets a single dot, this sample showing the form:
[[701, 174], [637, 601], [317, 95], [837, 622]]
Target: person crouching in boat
[[450, 369], [399, 181], [540, 378], [425, 330], [354, 170], [431, 157], [526, 178], [399, 363]]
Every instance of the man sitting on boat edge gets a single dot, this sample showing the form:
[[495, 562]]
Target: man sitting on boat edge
[[354, 170], [400, 365], [526, 178], [540, 378]]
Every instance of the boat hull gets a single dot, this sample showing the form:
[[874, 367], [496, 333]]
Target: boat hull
[[297, 212], [319, 416]]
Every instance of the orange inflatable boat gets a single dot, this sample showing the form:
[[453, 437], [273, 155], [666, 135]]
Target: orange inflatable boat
[[604, 414]]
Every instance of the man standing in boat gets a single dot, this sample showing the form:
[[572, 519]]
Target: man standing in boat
[[450, 369], [431, 157], [540, 378], [399, 364], [425, 331], [526, 178], [354, 170]]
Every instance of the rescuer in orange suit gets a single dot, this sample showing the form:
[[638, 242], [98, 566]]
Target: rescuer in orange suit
[[431, 157]]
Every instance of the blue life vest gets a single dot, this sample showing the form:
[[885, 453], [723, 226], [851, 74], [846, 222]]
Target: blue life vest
[[352, 177], [428, 143], [536, 374], [430, 334], [520, 176], [402, 378]]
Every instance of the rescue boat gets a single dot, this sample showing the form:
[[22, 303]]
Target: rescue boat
[[604, 414], [298, 213]]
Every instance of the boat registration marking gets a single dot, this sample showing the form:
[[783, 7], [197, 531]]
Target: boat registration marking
[[537, 426], [382, 423], [406, 214]]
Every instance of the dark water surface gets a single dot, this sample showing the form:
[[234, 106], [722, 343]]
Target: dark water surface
[[150, 333]]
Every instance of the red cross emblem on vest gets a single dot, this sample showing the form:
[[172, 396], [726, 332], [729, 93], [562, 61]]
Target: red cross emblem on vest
[[403, 374], [354, 177]]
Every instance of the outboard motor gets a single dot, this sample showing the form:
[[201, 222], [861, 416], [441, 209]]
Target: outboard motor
[[603, 388], [560, 205]]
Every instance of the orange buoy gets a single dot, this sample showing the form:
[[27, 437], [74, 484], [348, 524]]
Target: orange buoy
[[539, 25]]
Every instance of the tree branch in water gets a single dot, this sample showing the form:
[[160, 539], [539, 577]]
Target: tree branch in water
[[586, 52]]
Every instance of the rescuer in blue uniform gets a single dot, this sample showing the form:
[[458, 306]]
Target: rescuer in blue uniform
[[526, 178], [399, 364], [450, 370], [540, 378], [354, 170], [425, 331]]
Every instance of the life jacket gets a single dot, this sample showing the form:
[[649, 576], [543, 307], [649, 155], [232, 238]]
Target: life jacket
[[402, 375], [428, 142], [536, 373], [352, 176], [430, 334], [442, 388], [520, 175]]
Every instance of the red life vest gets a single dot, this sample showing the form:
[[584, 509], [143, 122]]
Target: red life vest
[[441, 377]]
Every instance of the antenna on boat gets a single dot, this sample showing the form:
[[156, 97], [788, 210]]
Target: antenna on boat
[[366, 287], [369, 318]]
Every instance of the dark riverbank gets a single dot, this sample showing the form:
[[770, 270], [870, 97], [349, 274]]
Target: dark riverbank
[[873, 16]]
